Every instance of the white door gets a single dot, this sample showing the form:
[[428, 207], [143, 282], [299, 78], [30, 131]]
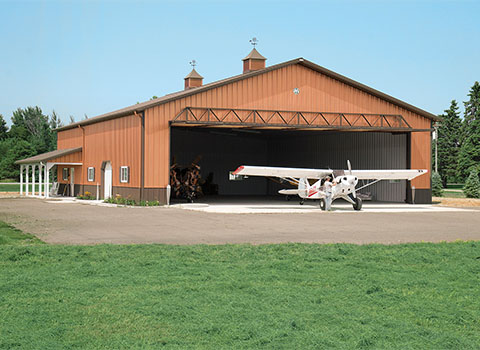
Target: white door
[[72, 182], [108, 181]]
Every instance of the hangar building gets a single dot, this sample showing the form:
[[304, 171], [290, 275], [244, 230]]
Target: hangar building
[[295, 113]]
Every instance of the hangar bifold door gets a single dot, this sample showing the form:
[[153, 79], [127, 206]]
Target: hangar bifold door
[[221, 150]]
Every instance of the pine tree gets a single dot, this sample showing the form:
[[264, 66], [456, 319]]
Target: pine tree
[[449, 144], [3, 128], [469, 155], [472, 185], [437, 188]]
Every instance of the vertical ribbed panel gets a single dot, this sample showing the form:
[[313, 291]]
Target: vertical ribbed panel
[[117, 141], [372, 150], [70, 138]]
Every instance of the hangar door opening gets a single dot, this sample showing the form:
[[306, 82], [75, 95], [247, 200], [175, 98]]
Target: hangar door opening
[[220, 150]]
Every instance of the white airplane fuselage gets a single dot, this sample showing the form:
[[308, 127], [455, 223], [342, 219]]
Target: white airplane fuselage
[[344, 186]]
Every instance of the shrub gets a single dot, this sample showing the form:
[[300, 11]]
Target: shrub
[[87, 195], [472, 185], [118, 199], [437, 186]]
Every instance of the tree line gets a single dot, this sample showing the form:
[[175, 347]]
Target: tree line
[[31, 133], [459, 142]]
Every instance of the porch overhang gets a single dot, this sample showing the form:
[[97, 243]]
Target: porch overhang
[[38, 168], [49, 156]]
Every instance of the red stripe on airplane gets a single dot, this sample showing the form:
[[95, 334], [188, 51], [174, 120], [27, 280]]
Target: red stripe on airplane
[[239, 169]]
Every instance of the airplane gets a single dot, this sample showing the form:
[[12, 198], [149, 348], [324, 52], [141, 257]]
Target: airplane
[[346, 180]]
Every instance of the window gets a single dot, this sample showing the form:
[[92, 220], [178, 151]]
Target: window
[[124, 174], [65, 174], [91, 174]]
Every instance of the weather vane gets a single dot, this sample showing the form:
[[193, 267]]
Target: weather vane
[[254, 41], [193, 63]]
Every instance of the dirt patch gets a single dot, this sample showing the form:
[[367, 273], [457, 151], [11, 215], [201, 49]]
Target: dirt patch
[[9, 194], [457, 202]]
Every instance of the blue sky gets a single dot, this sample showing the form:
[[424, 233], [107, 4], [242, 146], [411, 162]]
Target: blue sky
[[91, 57]]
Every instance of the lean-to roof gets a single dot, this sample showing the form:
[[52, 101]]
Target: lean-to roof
[[49, 156]]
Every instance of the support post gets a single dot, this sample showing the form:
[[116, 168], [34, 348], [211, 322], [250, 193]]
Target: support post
[[33, 180], [40, 166], [47, 169], [26, 179], [436, 149], [21, 180], [46, 175]]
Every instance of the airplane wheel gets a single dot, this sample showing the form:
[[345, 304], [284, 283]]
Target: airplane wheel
[[358, 204], [323, 204], [301, 202], [288, 198]]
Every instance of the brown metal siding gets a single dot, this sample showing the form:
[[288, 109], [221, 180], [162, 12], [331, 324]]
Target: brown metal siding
[[421, 157], [70, 138], [274, 90], [117, 141]]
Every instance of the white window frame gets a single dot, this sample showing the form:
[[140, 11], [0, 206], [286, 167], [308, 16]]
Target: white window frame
[[65, 172], [124, 174], [91, 178]]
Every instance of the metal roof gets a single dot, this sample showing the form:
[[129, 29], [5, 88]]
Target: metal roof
[[254, 55], [139, 107], [49, 155], [194, 74]]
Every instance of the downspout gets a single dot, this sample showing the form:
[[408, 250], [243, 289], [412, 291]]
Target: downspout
[[142, 154], [83, 160]]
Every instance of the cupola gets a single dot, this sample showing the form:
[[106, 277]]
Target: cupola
[[193, 79], [254, 61]]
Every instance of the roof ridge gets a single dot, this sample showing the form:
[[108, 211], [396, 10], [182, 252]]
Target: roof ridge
[[139, 107]]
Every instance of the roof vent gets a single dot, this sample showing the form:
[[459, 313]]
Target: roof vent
[[193, 79], [254, 61]]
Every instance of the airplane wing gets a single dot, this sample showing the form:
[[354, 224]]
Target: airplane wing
[[248, 170], [400, 174]]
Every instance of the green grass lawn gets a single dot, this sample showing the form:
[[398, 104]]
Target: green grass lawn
[[453, 194], [11, 236], [286, 296], [15, 188]]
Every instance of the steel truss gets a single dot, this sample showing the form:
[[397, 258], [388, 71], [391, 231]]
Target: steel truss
[[256, 118]]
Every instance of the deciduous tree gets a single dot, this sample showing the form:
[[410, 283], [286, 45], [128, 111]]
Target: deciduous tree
[[12, 150], [31, 125]]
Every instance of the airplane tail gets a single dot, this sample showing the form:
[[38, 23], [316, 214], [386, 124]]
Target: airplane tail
[[303, 187]]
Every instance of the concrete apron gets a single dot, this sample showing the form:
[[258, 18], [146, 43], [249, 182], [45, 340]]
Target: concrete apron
[[337, 207]]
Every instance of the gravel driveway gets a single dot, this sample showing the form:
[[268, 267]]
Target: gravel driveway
[[76, 223]]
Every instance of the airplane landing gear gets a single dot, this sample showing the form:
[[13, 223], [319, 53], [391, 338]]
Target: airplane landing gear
[[301, 202], [358, 204], [322, 204]]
